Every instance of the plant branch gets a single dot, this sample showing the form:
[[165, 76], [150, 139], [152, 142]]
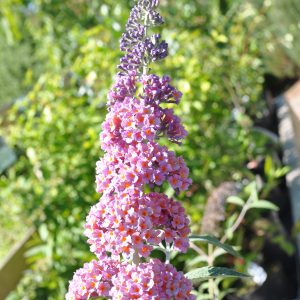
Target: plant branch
[[239, 220], [199, 251], [211, 283]]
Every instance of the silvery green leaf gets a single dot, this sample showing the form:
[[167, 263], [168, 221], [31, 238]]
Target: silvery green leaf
[[214, 241], [264, 204], [235, 200], [205, 273]]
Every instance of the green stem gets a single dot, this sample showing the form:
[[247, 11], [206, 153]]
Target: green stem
[[239, 220], [211, 283], [168, 254]]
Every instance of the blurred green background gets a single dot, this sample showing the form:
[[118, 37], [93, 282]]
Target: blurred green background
[[58, 59]]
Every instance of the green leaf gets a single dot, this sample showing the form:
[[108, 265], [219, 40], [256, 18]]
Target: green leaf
[[214, 241], [43, 231], [264, 204], [251, 189], [229, 223], [205, 273], [268, 167], [281, 172], [235, 200]]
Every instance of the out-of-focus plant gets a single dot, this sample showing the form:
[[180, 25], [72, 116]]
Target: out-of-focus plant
[[40, 36], [225, 77], [277, 32], [14, 62], [213, 288]]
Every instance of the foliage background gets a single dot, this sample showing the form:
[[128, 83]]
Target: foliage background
[[58, 59]]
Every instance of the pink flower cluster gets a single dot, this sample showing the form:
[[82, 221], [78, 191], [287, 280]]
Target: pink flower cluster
[[125, 86], [158, 90], [93, 280], [150, 281], [141, 119], [121, 224], [127, 223], [130, 120], [118, 280], [138, 164]]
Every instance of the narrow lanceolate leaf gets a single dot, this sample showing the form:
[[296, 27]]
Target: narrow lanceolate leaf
[[264, 204], [235, 200], [251, 189], [205, 273], [214, 241]]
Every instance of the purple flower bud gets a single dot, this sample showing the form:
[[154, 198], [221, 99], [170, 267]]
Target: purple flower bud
[[132, 37], [140, 49], [155, 18]]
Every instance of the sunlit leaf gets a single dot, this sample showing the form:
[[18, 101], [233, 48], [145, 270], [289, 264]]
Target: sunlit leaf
[[205, 273], [235, 200], [264, 204], [214, 241]]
